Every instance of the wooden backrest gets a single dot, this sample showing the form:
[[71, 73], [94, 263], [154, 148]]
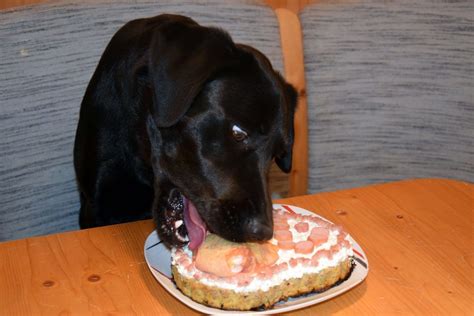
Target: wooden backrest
[[293, 60]]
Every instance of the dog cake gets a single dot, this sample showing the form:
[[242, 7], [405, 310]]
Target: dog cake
[[306, 254]]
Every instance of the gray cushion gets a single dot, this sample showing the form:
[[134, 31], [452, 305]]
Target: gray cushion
[[390, 91], [48, 54]]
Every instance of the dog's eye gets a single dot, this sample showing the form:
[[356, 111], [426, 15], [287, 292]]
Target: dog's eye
[[239, 134]]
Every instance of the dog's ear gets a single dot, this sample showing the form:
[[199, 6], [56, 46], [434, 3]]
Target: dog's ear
[[183, 56], [284, 160]]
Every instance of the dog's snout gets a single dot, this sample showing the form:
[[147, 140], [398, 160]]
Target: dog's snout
[[241, 221], [259, 231]]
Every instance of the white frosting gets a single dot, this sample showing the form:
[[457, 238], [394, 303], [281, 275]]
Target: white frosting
[[284, 256]]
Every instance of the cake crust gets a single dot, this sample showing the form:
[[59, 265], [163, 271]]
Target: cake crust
[[231, 300]]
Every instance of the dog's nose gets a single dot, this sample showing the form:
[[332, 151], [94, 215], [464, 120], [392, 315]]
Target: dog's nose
[[259, 231]]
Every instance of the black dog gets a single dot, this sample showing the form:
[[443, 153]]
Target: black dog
[[180, 122]]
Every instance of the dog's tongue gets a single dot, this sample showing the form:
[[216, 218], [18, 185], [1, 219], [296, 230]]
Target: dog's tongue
[[194, 224]]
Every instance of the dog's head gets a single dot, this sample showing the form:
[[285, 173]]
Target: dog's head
[[220, 115]]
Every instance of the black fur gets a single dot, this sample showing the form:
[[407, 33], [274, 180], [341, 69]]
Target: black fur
[[157, 117]]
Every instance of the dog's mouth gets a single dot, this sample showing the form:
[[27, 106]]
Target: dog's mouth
[[195, 226], [184, 221]]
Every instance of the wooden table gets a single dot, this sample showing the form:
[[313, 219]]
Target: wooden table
[[417, 235]]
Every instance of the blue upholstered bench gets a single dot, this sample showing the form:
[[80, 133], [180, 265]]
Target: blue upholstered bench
[[390, 88]]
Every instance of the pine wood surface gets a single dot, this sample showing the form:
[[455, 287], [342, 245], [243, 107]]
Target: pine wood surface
[[7, 4], [417, 235]]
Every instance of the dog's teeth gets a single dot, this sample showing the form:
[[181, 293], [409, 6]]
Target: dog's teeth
[[178, 224], [181, 238]]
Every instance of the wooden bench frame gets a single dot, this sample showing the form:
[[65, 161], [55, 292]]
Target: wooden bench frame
[[293, 59]]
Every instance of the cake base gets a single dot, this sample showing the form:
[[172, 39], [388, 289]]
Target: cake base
[[228, 299]]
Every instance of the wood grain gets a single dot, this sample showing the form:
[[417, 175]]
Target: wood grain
[[7, 4], [294, 6], [417, 235], [85, 272]]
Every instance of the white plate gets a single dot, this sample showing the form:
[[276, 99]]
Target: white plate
[[158, 258]]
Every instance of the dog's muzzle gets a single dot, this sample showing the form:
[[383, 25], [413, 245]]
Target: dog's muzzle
[[183, 223]]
